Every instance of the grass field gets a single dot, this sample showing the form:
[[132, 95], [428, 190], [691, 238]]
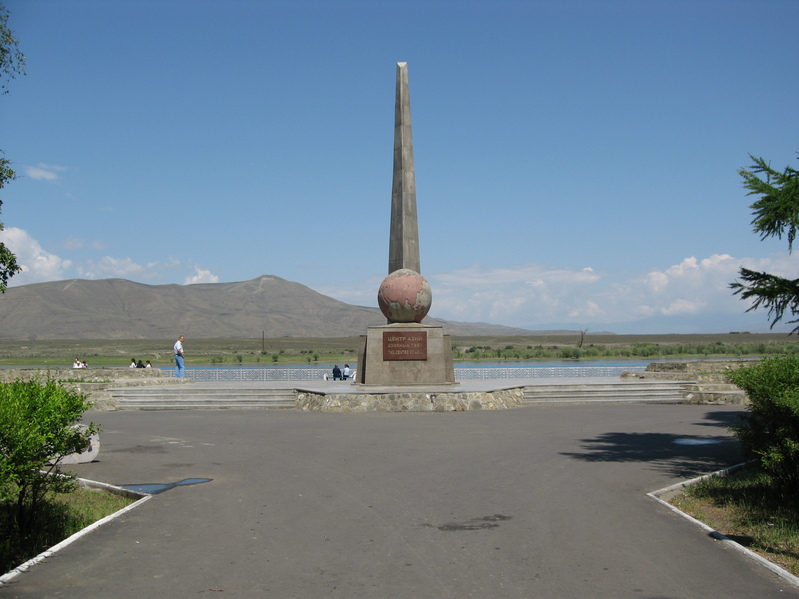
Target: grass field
[[297, 350], [744, 508], [62, 515]]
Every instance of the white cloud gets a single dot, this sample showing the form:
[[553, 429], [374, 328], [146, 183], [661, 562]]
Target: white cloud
[[73, 244], [201, 276], [37, 264], [45, 172], [512, 295], [683, 306], [526, 295], [532, 295], [120, 268], [532, 273]]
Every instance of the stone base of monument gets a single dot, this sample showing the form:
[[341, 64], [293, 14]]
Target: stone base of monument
[[409, 399], [402, 354]]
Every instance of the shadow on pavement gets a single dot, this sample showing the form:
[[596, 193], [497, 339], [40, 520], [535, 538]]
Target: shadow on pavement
[[683, 456], [722, 419]]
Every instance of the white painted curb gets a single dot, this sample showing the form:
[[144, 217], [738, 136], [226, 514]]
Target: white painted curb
[[9, 576], [781, 572]]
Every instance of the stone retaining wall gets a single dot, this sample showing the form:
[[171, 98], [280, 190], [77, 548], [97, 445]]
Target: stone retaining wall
[[710, 385], [697, 366], [410, 401], [94, 382], [89, 375]]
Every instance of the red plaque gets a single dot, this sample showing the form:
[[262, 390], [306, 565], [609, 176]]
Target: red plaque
[[406, 345]]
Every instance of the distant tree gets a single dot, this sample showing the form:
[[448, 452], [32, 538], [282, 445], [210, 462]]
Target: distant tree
[[583, 333], [776, 213], [12, 63]]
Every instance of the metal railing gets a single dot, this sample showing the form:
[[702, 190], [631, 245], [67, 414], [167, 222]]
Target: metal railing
[[222, 375], [542, 372]]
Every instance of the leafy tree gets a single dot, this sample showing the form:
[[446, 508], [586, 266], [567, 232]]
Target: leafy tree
[[8, 261], [776, 213], [12, 63], [37, 428], [769, 431]]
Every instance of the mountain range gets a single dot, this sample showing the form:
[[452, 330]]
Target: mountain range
[[121, 309]]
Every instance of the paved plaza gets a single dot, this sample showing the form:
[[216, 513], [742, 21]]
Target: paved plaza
[[540, 501]]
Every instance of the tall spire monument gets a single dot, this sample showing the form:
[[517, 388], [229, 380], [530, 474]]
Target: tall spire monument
[[403, 251], [405, 351]]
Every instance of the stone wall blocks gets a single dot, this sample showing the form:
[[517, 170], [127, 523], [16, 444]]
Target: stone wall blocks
[[409, 401]]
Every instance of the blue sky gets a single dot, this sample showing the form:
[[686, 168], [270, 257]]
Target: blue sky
[[576, 161]]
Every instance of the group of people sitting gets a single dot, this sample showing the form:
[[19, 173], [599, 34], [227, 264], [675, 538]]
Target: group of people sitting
[[342, 375], [78, 364], [139, 364]]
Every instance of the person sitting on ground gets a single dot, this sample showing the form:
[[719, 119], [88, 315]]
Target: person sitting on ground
[[76, 364], [336, 372], [346, 372], [139, 364], [147, 364], [132, 363]]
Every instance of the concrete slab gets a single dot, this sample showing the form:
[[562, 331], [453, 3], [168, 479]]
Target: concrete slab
[[351, 387], [545, 502]]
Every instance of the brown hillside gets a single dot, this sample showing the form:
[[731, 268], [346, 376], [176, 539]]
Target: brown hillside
[[121, 309]]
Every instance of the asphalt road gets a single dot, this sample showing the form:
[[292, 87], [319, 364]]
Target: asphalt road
[[542, 501]]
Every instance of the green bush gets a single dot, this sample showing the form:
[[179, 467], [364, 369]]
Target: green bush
[[770, 429], [37, 427]]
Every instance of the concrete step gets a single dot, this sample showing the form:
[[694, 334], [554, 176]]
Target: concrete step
[[710, 383], [208, 404], [191, 391], [185, 397], [615, 392], [699, 377], [190, 397]]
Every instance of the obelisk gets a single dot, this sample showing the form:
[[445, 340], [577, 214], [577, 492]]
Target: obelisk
[[403, 250], [404, 351]]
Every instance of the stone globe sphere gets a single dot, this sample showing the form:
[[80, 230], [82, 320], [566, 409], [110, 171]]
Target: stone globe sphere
[[405, 296]]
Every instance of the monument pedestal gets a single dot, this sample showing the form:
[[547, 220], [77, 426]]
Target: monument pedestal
[[405, 354]]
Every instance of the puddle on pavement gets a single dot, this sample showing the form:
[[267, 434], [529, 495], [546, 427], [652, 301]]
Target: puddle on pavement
[[695, 441], [156, 488]]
